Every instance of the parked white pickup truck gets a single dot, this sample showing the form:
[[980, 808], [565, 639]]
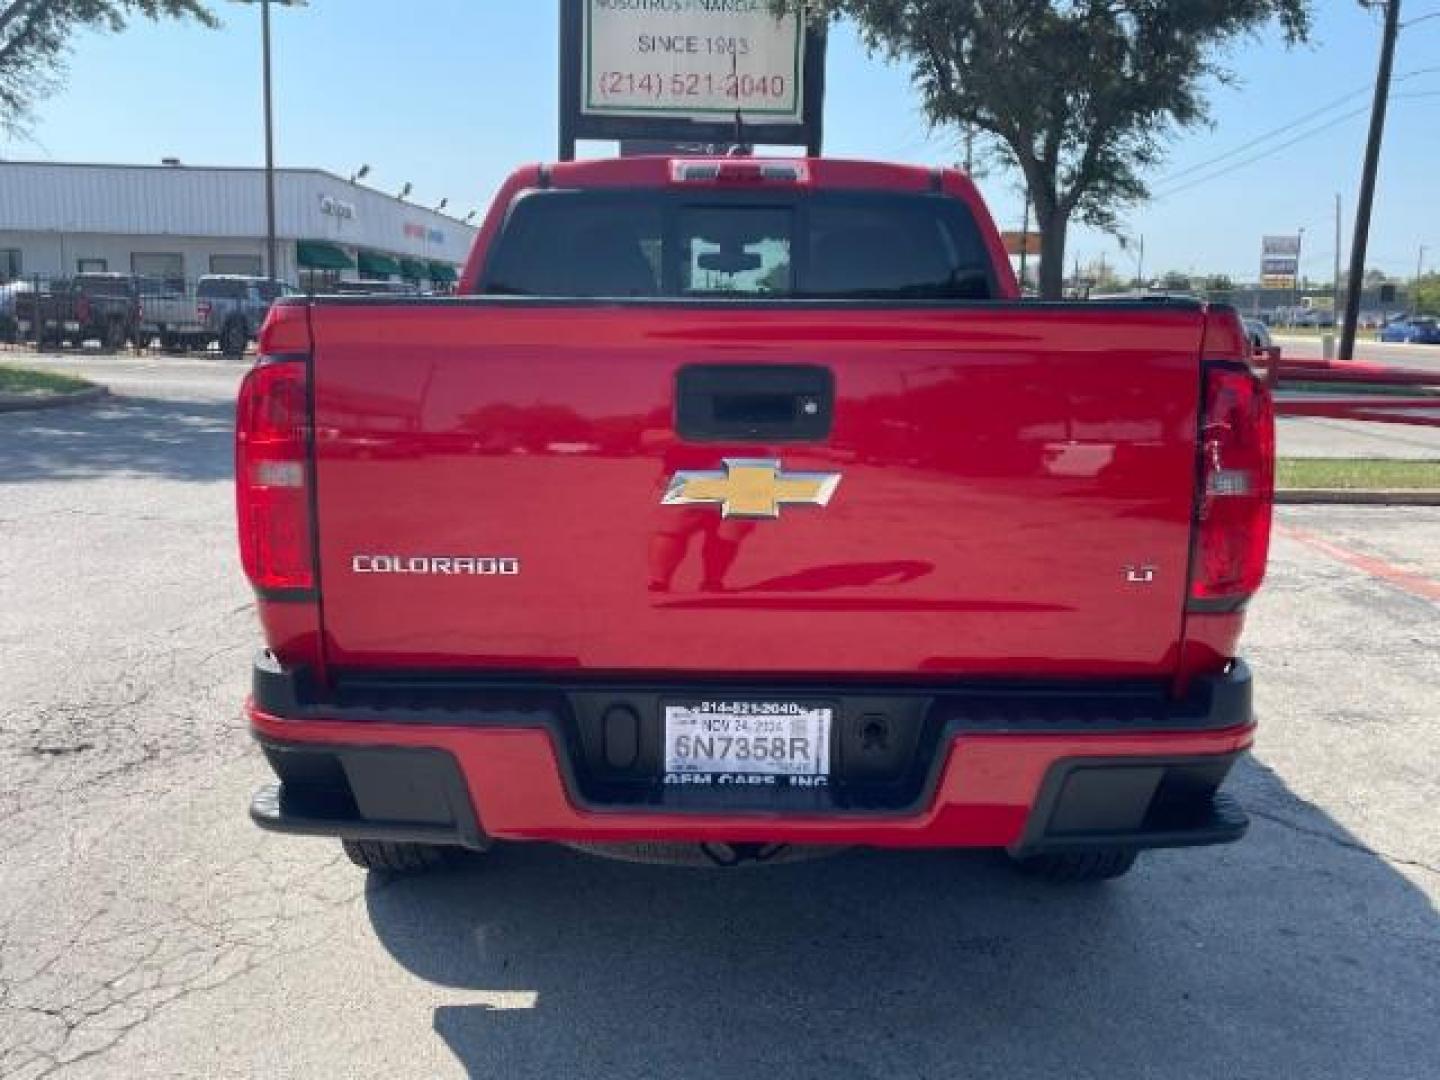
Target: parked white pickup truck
[[223, 309]]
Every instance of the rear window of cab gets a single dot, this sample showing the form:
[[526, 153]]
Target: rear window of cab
[[817, 246]]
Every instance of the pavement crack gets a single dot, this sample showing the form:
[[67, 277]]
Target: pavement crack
[[61, 751], [1341, 841]]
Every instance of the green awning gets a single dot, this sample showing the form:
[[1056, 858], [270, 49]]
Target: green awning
[[318, 255], [414, 269], [442, 273], [373, 265]]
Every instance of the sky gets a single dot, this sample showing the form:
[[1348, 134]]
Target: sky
[[451, 95]]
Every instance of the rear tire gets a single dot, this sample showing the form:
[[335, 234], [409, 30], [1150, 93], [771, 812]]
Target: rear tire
[[113, 339], [233, 340], [1076, 867], [394, 857]]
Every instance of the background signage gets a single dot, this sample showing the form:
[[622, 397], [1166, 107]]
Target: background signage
[[692, 60], [345, 211], [689, 71], [1279, 261], [1018, 243]]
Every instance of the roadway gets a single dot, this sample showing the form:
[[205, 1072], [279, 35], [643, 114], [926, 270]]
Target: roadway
[[1419, 357], [1315, 437], [147, 929]]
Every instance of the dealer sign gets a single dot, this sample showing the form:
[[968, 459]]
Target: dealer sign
[[696, 59]]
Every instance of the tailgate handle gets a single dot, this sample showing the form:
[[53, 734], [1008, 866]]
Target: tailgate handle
[[754, 402]]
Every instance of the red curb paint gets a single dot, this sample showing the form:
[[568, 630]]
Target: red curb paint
[[1406, 580]]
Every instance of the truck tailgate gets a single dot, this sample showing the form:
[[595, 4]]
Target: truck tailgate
[[1014, 493]]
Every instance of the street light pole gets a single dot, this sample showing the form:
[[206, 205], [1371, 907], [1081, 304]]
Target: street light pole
[[269, 144], [1367, 180]]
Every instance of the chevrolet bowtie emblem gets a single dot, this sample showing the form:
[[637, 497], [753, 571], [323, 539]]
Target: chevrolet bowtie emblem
[[749, 488]]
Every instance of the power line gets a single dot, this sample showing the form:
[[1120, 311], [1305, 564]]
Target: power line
[[1288, 125], [1278, 147]]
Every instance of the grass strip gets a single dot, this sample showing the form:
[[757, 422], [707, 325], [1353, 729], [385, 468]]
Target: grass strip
[[19, 380], [1358, 473]]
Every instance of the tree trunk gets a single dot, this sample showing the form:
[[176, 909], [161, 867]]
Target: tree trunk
[[1053, 224]]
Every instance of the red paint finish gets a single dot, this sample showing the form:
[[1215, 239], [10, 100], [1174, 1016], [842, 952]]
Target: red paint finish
[[292, 631], [1003, 469], [984, 797]]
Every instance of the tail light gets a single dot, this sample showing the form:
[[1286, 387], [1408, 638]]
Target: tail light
[[1236, 488], [82, 309], [202, 310], [272, 476]]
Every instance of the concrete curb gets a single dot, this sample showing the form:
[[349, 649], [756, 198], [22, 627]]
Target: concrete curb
[[29, 402], [1359, 496]]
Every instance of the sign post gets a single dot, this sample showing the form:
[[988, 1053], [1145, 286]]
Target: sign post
[[689, 71]]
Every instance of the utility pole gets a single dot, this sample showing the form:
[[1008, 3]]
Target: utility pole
[[270, 267], [1366, 202], [1419, 273], [1335, 302], [1295, 290], [1025, 241]]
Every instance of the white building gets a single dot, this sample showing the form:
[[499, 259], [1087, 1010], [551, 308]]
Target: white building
[[179, 222]]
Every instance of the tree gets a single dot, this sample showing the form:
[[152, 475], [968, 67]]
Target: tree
[[34, 35], [1218, 285], [1174, 281], [1080, 95], [1427, 294]]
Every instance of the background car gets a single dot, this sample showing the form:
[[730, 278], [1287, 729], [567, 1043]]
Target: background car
[[373, 287], [9, 325], [88, 307], [1258, 333], [1417, 331], [223, 309]]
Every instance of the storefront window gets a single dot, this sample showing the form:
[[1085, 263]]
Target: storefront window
[[246, 265], [9, 263], [164, 266], [91, 266]]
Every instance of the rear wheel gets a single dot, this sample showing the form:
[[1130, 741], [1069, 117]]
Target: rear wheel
[[114, 336], [233, 340], [1074, 867], [394, 857]]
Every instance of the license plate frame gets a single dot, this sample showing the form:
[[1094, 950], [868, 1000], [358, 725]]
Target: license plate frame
[[756, 741]]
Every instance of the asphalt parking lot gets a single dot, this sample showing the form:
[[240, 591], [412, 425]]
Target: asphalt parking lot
[[148, 930]]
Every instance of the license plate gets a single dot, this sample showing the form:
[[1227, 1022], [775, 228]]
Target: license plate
[[747, 739]]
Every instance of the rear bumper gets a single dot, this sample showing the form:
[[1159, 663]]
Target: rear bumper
[[1030, 769]]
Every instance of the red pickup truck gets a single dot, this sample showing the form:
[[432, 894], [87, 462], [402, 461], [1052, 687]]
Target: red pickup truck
[[735, 504]]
